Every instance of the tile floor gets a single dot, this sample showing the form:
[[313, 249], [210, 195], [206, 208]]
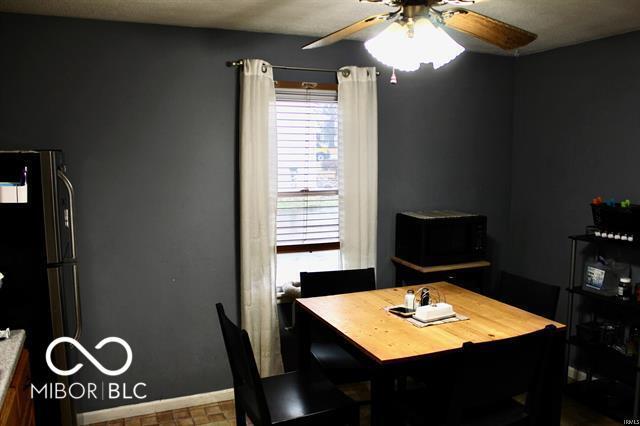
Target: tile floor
[[220, 414], [223, 414]]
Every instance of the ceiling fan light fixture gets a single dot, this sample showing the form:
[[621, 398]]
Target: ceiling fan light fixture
[[404, 45]]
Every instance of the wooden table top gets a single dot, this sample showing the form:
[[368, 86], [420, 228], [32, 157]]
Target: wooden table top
[[386, 338]]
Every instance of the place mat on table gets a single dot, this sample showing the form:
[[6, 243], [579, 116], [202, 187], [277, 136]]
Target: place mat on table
[[421, 324]]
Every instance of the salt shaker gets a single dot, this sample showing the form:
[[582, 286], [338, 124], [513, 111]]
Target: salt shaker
[[410, 300]]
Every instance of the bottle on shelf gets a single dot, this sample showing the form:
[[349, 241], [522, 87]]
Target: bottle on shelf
[[624, 288]]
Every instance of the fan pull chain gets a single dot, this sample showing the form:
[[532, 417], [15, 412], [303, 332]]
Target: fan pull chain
[[394, 79]]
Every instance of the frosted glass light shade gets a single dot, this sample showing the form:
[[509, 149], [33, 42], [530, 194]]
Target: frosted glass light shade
[[403, 49]]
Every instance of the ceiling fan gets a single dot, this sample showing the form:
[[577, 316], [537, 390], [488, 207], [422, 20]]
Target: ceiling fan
[[408, 12]]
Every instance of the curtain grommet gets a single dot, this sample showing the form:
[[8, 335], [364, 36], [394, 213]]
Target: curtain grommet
[[346, 73], [264, 68]]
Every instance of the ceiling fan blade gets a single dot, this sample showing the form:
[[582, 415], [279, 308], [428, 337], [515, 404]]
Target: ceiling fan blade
[[488, 29], [347, 31]]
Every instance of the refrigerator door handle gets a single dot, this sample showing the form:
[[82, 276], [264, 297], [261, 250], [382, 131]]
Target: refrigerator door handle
[[74, 264]]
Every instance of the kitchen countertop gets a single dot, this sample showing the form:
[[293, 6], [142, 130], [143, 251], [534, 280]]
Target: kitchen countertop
[[10, 350]]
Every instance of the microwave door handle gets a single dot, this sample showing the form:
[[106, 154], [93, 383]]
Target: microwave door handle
[[74, 261]]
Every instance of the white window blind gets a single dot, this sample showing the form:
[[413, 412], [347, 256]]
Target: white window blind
[[307, 132]]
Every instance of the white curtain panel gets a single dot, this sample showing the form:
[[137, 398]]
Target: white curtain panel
[[358, 172], [258, 196]]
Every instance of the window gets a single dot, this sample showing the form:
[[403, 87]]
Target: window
[[307, 129], [307, 209]]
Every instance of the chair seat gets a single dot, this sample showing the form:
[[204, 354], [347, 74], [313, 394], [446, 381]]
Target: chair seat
[[338, 364], [298, 398], [297, 395]]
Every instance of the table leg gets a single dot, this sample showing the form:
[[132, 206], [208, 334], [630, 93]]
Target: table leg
[[303, 332], [381, 397]]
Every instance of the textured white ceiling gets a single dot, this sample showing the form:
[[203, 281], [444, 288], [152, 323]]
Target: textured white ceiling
[[557, 22]]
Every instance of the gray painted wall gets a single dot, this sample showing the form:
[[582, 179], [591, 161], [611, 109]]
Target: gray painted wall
[[576, 135], [445, 142], [146, 117]]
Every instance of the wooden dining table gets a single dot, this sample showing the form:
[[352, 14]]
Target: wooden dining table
[[391, 346]]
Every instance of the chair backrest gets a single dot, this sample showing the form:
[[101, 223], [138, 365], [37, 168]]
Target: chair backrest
[[532, 296], [247, 384], [495, 371], [327, 283]]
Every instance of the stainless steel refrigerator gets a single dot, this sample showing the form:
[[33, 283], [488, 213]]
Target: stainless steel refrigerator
[[40, 290]]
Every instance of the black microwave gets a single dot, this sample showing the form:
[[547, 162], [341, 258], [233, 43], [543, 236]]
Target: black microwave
[[440, 237]]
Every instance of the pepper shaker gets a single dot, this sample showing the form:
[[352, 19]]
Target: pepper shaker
[[424, 297]]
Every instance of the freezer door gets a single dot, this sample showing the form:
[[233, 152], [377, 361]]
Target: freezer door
[[58, 200]]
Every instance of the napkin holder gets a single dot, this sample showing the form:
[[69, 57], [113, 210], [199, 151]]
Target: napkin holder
[[434, 312]]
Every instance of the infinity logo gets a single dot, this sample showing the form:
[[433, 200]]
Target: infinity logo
[[90, 357]]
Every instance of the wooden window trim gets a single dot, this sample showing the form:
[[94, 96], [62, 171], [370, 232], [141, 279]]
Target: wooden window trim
[[300, 248], [308, 192], [305, 85]]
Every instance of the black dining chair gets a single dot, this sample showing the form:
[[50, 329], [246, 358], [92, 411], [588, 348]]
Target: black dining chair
[[294, 398], [327, 283], [493, 373], [532, 296], [484, 378], [339, 365]]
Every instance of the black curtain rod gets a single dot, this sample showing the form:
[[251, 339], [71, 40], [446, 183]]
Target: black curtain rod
[[345, 73]]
